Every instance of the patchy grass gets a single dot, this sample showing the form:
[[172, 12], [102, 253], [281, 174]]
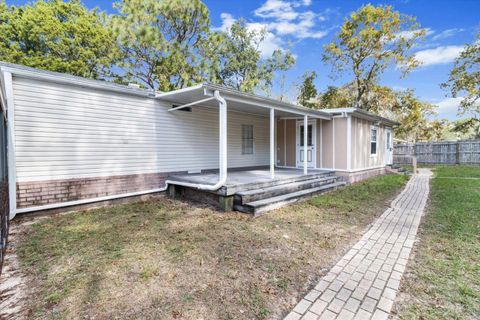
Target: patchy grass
[[166, 259], [444, 280]]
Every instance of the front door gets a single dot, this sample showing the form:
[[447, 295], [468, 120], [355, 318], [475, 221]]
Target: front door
[[389, 147], [311, 142]]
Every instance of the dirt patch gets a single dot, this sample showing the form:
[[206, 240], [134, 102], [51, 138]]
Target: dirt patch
[[13, 284], [166, 259]]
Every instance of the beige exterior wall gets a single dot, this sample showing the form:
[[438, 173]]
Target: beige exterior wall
[[332, 144], [340, 144], [281, 142], [361, 157], [327, 144], [318, 147], [286, 144]]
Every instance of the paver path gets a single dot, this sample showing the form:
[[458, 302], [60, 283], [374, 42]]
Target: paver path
[[364, 283]]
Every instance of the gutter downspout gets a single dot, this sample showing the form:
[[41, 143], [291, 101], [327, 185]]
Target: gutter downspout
[[222, 151], [222, 162]]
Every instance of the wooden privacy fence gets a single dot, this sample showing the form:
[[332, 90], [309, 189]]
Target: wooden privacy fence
[[443, 152]]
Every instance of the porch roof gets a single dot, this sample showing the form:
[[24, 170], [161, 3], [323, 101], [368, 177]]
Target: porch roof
[[362, 114], [238, 100]]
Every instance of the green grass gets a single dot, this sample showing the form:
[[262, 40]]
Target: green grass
[[445, 275], [167, 259]]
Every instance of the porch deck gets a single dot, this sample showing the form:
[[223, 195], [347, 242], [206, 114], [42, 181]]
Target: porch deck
[[243, 180]]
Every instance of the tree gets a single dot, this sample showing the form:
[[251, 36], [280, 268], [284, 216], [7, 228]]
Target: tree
[[433, 130], [465, 78], [57, 36], [238, 62], [162, 41], [467, 128], [369, 41], [336, 97], [307, 89], [413, 115]]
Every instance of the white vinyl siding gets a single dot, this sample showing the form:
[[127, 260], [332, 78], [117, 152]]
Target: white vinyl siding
[[66, 131]]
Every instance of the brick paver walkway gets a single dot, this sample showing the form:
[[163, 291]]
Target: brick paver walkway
[[364, 283]]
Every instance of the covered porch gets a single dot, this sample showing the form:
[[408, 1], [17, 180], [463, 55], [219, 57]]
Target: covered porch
[[271, 111], [249, 176]]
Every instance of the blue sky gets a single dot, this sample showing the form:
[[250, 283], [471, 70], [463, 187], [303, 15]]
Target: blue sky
[[304, 26]]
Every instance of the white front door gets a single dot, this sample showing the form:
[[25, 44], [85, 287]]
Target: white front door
[[311, 142], [389, 147]]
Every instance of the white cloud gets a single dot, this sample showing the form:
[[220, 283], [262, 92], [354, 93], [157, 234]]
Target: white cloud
[[302, 28], [227, 21], [448, 108], [447, 33], [410, 33], [277, 9], [286, 18], [282, 20], [270, 43], [439, 55], [448, 105]]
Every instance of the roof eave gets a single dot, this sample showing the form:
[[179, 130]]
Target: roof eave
[[57, 77], [363, 113], [268, 102]]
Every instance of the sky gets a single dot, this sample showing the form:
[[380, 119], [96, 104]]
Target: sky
[[305, 26]]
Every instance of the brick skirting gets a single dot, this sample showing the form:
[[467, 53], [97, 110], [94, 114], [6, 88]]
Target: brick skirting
[[38, 193], [352, 177]]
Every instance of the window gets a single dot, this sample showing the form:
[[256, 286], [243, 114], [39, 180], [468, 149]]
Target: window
[[247, 139], [309, 135], [373, 141]]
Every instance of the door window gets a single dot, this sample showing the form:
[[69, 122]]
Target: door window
[[309, 135]]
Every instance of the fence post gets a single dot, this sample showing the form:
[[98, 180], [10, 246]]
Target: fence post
[[457, 152], [415, 149]]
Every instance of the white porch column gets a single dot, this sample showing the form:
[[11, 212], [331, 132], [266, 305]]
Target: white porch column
[[305, 136], [272, 143], [222, 136], [349, 142]]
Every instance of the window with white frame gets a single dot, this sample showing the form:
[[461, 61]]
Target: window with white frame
[[373, 141], [247, 139]]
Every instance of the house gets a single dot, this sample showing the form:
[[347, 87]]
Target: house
[[75, 141]]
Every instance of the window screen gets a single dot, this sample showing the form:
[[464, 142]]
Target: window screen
[[247, 139], [373, 141]]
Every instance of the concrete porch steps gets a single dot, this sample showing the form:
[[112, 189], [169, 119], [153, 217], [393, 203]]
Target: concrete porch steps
[[259, 201], [238, 188], [243, 197]]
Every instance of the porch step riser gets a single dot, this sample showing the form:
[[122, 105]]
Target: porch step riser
[[273, 183], [259, 207], [259, 194]]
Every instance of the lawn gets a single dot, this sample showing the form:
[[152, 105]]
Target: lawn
[[166, 259], [443, 282]]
